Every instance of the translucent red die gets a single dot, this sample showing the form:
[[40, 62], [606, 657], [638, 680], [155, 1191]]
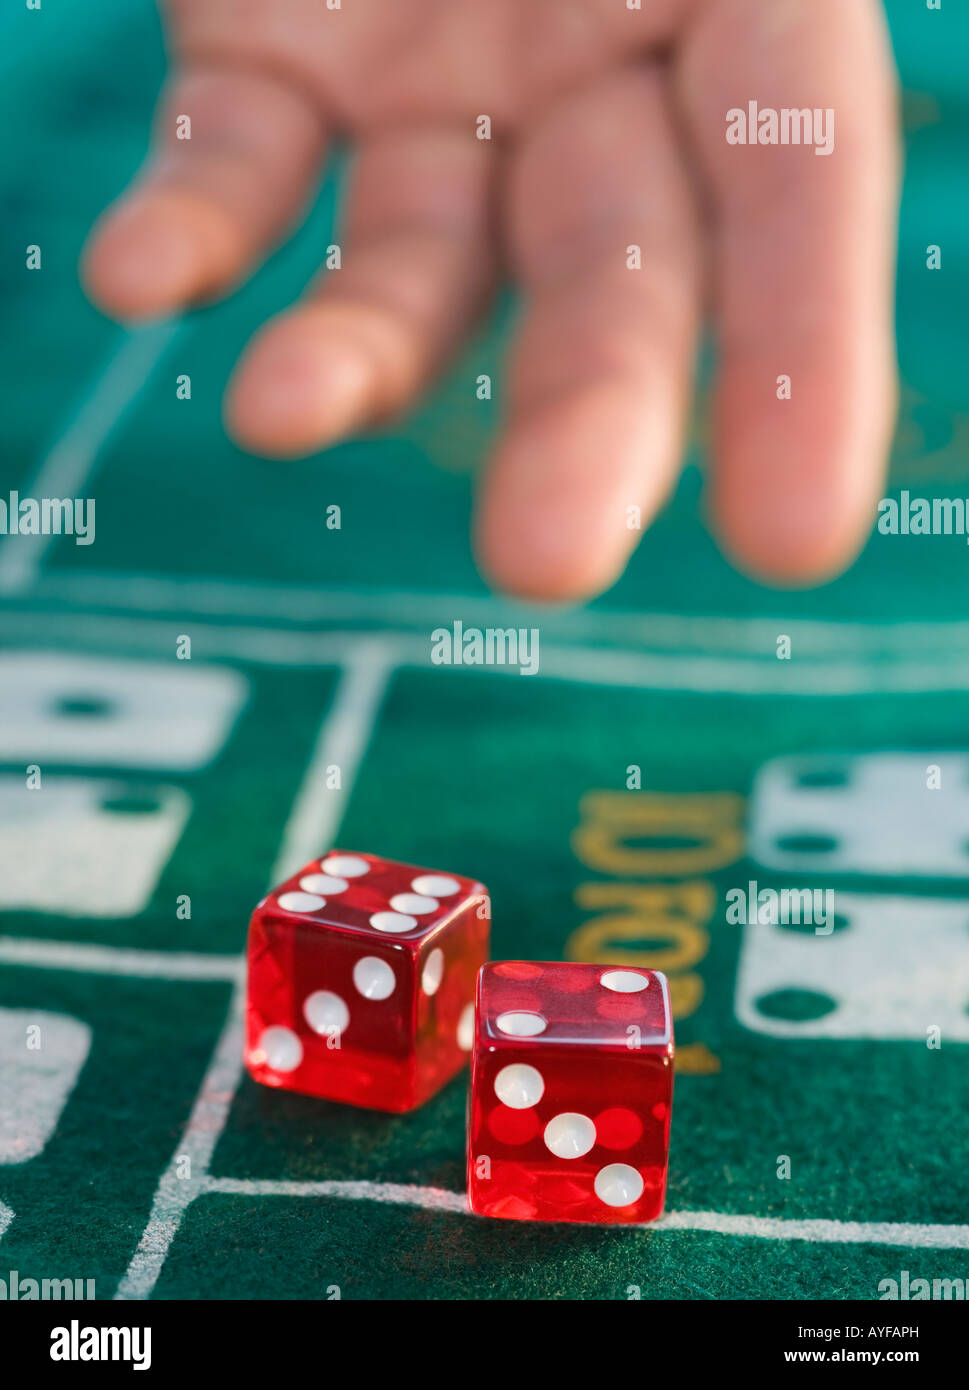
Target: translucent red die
[[571, 1093], [361, 977]]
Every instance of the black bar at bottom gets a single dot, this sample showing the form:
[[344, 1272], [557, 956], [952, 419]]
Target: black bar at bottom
[[281, 1340]]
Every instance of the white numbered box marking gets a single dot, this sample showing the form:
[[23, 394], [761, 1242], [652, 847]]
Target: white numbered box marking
[[85, 847], [43, 1054], [870, 814], [893, 968], [100, 711]]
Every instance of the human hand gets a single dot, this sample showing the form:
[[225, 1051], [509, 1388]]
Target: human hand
[[609, 130]]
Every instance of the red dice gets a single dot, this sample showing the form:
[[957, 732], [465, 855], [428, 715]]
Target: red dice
[[571, 1092], [361, 977]]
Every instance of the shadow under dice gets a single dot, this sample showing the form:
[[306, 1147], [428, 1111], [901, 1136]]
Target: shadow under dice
[[361, 977], [571, 1093]]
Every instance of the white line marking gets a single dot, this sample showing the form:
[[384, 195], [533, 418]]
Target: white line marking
[[907, 1234], [205, 1125], [585, 665], [318, 810], [911, 1235], [113, 960], [293, 604], [314, 821], [398, 1194], [69, 465]]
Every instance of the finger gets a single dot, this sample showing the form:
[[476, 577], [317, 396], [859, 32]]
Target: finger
[[417, 264], [456, 62], [601, 371], [805, 267], [206, 208]]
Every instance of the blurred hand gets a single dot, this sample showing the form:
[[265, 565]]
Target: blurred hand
[[609, 130]]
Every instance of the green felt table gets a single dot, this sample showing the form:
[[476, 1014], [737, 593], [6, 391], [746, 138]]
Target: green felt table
[[133, 1149]]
